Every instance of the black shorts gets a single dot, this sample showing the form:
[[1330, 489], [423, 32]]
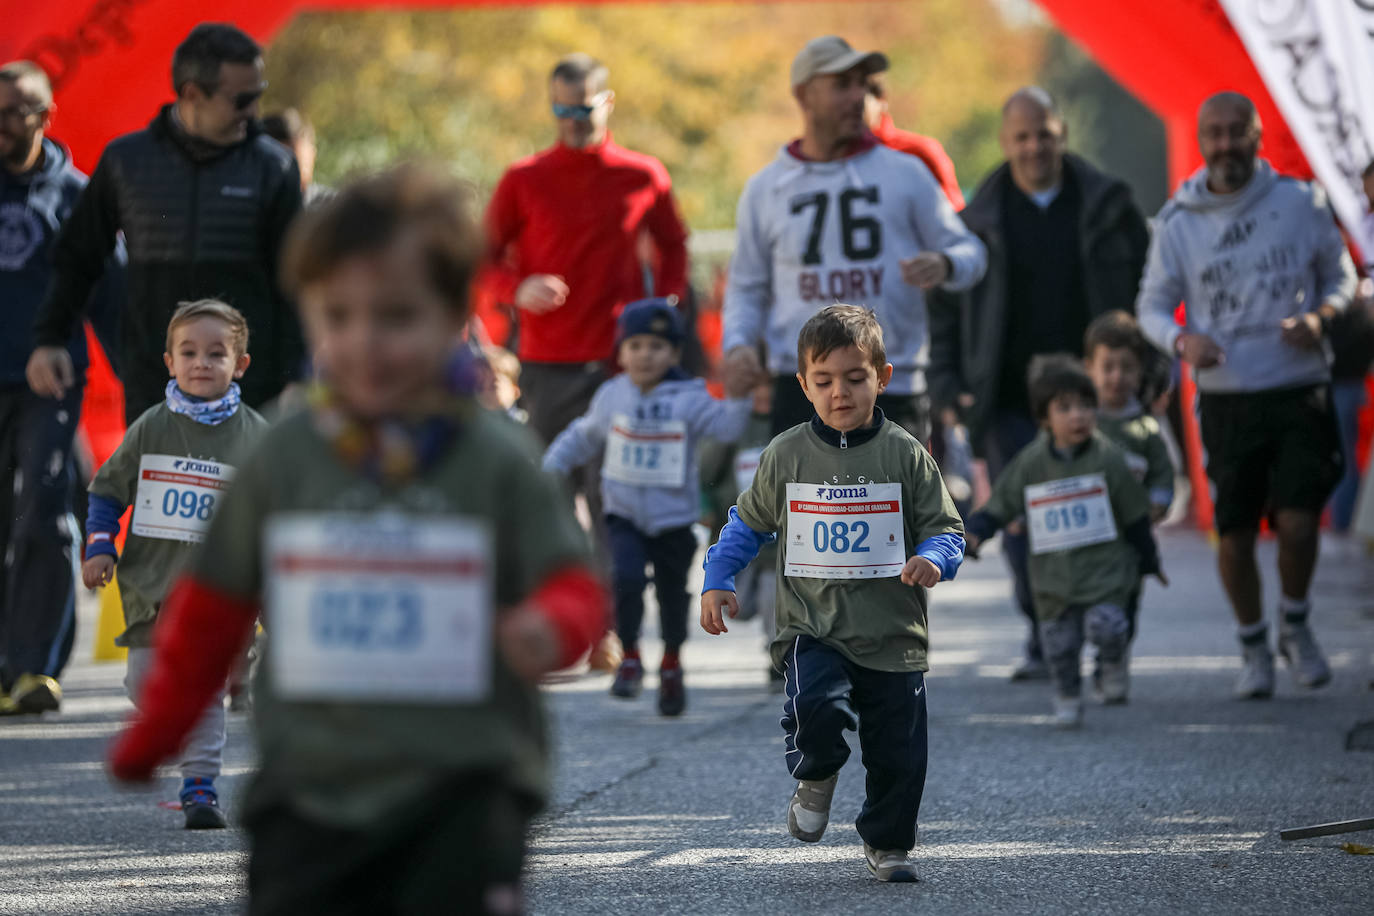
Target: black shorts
[[1270, 450]]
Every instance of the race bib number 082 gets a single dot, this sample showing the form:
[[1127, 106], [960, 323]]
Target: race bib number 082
[[844, 532]]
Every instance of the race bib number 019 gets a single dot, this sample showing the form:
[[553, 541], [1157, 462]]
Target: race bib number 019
[[1074, 512], [379, 608], [844, 532], [646, 453], [176, 497]]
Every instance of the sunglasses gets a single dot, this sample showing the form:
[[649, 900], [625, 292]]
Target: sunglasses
[[244, 99], [580, 112]]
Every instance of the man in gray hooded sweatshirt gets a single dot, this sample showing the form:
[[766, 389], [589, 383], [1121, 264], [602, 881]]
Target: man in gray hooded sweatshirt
[[1261, 266]]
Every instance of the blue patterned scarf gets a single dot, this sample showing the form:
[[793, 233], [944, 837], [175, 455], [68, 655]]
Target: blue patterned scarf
[[211, 413]]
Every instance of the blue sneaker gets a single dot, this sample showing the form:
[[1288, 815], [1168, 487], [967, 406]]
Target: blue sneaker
[[200, 805]]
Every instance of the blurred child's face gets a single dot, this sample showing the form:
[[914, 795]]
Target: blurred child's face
[[1116, 373], [763, 398], [646, 358], [1071, 419], [203, 360], [382, 333], [843, 387]]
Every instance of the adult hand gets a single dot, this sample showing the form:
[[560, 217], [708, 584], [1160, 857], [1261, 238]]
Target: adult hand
[[1199, 350], [97, 571], [741, 369], [1302, 331], [50, 371], [1163, 579], [920, 571], [540, 293], [713, 603], [528, 642], [927, 270]]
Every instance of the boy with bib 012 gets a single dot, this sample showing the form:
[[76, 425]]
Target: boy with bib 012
[[644, 425], [416, 575], [173, 468], [865, 527], [1088, 521]]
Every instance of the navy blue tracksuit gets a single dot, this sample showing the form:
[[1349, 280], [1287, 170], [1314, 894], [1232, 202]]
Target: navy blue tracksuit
[[828, 694]]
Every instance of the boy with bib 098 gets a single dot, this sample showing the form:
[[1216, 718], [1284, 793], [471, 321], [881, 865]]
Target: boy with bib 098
[[416, 574], [1088, 520], [865, 527], [644, 425], [173, 468]]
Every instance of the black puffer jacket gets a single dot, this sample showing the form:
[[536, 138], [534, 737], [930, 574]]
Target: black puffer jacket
[[967, 330], [199, 222]]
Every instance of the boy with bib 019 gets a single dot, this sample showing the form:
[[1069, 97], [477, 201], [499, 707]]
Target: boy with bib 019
[[416, 574], [644, 425], [1088, 520], [865, 527], [173, 468]]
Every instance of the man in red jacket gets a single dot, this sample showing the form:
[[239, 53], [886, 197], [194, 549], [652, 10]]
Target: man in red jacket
[[927, 149]]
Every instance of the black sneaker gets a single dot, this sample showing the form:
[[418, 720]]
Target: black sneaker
[[672, 695], [200, 806], [629, 679]]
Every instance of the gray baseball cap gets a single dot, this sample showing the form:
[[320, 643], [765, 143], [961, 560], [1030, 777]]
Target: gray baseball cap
[[832, 54]]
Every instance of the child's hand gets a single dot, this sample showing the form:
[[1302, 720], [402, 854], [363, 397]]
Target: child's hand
[[971, 544], [713, 602], [98, 570], [1163, 579], [920, 571], [528, 642]]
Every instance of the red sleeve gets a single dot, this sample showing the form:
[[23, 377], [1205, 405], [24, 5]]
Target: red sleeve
[[201, 632], [499, 276], [670, 238], [943, 167], [575, 602]]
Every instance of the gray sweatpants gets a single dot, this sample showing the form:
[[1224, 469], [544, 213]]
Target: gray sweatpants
[[1103, 625], [204, 751]]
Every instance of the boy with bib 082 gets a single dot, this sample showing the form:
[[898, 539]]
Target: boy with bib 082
[[172, 468], [1088, 519], [416, 575], [644, 425], [865, 528]]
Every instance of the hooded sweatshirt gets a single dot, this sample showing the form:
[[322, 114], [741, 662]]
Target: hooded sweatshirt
[[1243, 262], [811, 234]]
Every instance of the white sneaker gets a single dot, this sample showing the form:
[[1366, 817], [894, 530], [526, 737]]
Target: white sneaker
[[1304, 656], [1068, 712], [1115, 682], [808, 812], [890, 864], [1256, 680]]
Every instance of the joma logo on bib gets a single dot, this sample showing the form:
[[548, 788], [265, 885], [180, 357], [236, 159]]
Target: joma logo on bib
[[195, 467], [841, 492]]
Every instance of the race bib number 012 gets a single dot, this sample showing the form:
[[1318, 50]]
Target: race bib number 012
[[176, 497], [379, 608], [646, 453], [1068, 513], [844, 532]]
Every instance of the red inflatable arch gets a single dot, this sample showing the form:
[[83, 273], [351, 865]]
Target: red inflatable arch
[[110, 61]]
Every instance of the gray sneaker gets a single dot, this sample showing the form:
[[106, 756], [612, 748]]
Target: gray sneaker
[[890, 864], [1256, 680], [1115, 682], [1304, 656], [1068, 712], [1031, 668], [808, 812]]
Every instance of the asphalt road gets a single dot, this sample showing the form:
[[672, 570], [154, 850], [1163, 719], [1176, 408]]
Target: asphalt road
[[1173, 802]]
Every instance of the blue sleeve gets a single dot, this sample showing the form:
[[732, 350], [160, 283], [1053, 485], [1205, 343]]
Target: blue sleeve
[[946, 551], [102, 526], [736, 549]]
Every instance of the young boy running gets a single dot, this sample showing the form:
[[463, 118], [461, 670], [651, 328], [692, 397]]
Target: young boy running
[[865, 527], [416, 574], [1089, 526], [647, 422], [172, 468]]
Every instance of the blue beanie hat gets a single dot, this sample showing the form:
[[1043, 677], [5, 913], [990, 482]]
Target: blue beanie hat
[[659, 317]]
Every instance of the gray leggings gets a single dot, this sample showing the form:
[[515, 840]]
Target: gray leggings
[[204, 750], [1104, 625]]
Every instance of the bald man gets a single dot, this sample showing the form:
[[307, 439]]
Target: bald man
[[1261, 266], [1065, 243]]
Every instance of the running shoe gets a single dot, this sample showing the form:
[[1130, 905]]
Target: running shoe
[[1305, 659], [808, 812], [890, 864]]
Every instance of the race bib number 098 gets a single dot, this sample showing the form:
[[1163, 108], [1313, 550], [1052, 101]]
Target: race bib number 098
[[844, 532], [1068, 513], [176, 497]]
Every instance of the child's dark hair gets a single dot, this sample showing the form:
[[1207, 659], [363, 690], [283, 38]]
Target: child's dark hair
[[1115, 330], [369, 214], [838, 326], [1054, 374]]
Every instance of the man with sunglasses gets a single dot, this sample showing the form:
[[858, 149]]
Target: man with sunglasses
[[203, 199]]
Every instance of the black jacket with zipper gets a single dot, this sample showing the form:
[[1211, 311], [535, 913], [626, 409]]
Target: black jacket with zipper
[[199, 221], [967, 330]]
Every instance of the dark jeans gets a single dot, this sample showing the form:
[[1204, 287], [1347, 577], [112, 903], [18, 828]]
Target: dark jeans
[[1009, 432], [790, 407], [827, 694], [459, 851], [671, 553], [37, 532]]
